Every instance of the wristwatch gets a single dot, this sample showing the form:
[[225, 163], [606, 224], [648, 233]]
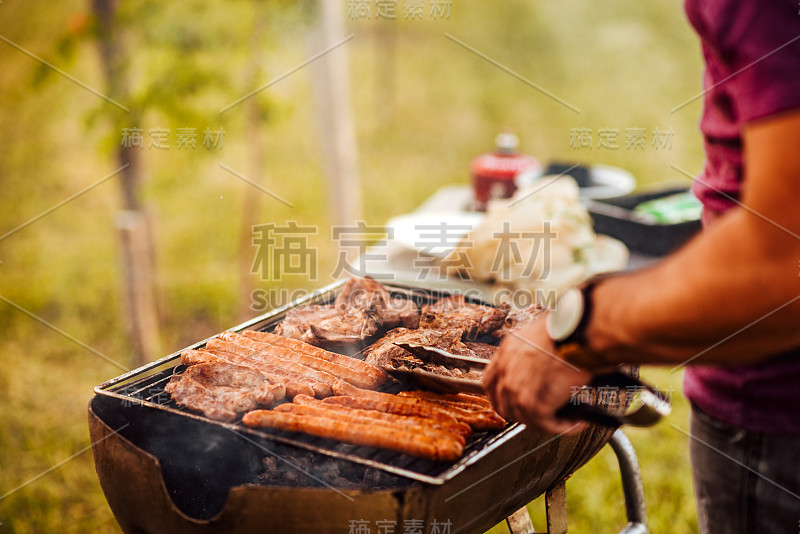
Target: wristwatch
[[566, 325]]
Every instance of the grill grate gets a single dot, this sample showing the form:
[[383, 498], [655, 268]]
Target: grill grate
[[145, 387]]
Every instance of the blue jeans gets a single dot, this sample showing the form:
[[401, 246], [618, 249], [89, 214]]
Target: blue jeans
[[749, 484]]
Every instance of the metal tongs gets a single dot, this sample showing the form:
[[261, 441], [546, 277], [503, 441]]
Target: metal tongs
[[646, 408]]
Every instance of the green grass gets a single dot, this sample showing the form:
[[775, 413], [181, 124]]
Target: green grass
[[423, 108]]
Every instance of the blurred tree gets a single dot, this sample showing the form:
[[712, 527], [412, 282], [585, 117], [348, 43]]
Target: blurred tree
[[337, 131], [385, 51], [135, 230], [256, 113], [170, 61]]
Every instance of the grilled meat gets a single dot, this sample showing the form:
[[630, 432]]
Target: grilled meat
[[328, 326], [385, 353], [475, 416], [469, 398], [382, 352], [450, 424], [360, 310], [222, 390], [315, 407], [297, 321], [455, 312], [400, 312], [368, 294], [323, 382], [300, 368], [518, 319], [311, 360], [305, 348], [440, 446], [481, 350], [454, 370], [463, 401], [294, 383]]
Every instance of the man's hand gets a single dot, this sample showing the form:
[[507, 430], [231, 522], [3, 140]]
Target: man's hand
[[527, 382]]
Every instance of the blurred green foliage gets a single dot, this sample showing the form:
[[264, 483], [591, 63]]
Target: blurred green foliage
[[423, 107]]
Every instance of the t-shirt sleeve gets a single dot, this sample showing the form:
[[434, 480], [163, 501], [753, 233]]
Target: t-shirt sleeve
[[758, 41]]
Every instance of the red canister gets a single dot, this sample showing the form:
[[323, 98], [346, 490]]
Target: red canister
[[494, 175]]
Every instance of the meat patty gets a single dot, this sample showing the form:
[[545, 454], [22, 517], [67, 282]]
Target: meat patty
[[222, 390]]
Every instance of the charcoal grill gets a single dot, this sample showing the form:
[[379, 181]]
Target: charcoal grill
[[166, 469]]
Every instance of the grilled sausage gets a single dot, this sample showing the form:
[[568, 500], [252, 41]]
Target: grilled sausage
[[486, 419], [375, 434], [306, 348], [324, 379], [195, 357], [367, 417], [449, 397], [445, 424], [295, 383], [357, 378]]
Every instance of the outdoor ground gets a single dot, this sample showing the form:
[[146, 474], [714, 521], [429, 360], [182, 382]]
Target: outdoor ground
[[422, 109]]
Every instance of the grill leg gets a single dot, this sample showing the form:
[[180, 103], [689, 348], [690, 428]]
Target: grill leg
[[556, 498], [555, 502], [520, 522], [632, 486]]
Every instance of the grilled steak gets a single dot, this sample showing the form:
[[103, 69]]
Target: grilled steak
[[368, 294], [454, 312], [385, 353], [363, 307], [328, 326], [382, 352], [297, 321], [400, 312], [295, 384], [481, 350], [222, 390], [518, 319], [453, 370]]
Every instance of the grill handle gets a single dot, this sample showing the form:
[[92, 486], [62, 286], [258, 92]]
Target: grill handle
[[652, 405], [632, 485]]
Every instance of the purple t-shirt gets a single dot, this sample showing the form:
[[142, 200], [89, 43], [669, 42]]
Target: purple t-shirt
[[752, 54]]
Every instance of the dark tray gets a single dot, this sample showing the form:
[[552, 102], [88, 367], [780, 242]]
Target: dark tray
[[615, 217]]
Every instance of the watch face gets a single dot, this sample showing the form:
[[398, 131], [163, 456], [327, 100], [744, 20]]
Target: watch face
[[565, 317]]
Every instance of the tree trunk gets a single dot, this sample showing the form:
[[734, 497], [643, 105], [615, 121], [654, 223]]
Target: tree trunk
[[136, 242], [256, 169], [385, 67], [141, 309], [332, 94]]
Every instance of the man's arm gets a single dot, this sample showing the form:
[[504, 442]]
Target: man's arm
[[728, 293], [725, 298]]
